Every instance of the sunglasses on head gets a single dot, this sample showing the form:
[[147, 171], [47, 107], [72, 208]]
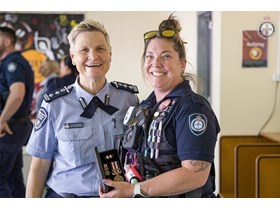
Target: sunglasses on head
[[164, 33]]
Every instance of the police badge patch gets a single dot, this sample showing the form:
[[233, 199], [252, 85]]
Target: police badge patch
[[12, 66], [41, 118], [197, 123]]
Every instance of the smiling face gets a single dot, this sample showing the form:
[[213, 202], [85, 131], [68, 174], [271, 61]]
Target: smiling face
[[162, 66], [92, 56]]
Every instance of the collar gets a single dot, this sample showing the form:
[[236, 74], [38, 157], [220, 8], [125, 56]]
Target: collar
[[81, 93], [11, 55], [180, 90]]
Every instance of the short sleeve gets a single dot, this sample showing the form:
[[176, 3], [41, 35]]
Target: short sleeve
[[196, 133], [42, 142]]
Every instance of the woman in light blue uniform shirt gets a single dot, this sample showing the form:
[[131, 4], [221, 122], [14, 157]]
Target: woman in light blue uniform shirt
[[75, 119]]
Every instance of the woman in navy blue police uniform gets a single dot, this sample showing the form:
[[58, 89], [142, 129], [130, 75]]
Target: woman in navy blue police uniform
[[16, 89], [178, 153], [73, 120]]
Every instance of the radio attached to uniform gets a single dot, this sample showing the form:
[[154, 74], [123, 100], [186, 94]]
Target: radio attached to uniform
[[136, 120]]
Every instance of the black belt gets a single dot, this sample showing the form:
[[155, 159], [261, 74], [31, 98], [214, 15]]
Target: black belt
[[19, 120], [70, 195], [54, 194]]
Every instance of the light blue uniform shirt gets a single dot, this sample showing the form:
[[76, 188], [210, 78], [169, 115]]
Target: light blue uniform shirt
[[74, 168]]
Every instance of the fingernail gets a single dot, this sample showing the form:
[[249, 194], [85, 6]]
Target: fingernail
[[105, 181]]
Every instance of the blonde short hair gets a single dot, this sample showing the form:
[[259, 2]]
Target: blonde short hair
[[87, 25]]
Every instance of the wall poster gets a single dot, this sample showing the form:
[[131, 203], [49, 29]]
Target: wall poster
[[254, 52], [41, 36]]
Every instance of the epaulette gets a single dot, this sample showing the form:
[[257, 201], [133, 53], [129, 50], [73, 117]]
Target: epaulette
[[197, 99], [125, 86], [48, 97]]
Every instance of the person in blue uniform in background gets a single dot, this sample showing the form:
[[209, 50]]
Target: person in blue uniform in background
[[49, 70], [178, 153], [16, 89], [67, 75], [75, 119]]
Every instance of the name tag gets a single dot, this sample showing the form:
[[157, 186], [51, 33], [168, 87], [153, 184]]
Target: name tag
[[73, 125]]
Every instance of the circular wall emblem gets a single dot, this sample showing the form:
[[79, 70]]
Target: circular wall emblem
[[255, 53], [266, 29]]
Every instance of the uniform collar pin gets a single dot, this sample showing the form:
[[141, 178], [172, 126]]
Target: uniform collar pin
[[107, 100]]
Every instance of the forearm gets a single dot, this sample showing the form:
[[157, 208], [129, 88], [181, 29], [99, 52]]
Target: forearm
[[192, 175], [37, 177], [14, 100], [177, 181], [35, 185]]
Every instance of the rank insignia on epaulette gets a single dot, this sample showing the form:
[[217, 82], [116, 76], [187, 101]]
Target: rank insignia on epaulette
[[125, 86], [48, 97]]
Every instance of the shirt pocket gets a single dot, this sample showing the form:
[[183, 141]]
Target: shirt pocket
[[114, 134], [76, 145]]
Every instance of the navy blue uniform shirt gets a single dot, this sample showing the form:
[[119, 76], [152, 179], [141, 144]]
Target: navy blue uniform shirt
[[193, 127], [190, 130], [15, 68]]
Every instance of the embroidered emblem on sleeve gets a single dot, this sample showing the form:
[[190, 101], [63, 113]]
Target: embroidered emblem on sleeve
[[12, 66], [197, 123], [41, 118]]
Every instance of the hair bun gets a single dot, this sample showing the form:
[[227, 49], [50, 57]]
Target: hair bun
[[170, 23]]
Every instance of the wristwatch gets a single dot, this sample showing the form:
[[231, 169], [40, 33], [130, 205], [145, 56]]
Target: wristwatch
[[138, 192]]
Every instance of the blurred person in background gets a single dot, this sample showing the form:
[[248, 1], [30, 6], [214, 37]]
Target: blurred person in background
[[49, 69], [16, 90], [67, 75]]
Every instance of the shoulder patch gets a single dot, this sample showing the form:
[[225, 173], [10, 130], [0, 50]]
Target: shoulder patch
[[197, 123], [12, 66], [48, 97], [125, 86], [41, 119]]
